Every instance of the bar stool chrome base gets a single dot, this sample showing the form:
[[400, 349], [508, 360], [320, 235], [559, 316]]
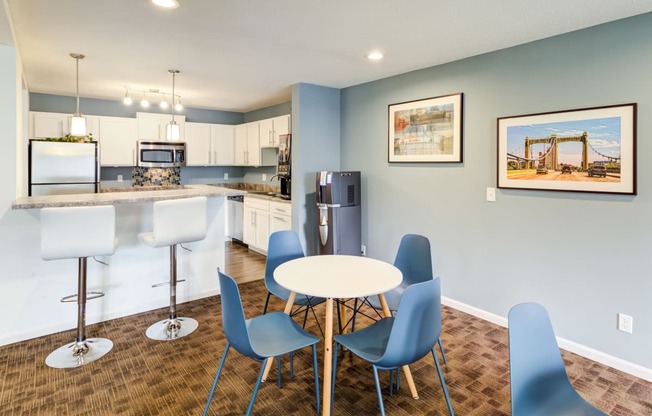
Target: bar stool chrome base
[[171, 329], [76, 354]]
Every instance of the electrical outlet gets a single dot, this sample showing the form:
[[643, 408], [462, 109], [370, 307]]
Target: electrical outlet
[[119, 178], [363, 250], [226, 175], [264, 176], [625, 323], [491, 194]]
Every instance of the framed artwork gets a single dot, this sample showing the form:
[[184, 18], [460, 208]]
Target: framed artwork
[[428, 130], [584, 150]]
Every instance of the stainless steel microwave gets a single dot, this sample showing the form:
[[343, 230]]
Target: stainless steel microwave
[[161, 154]]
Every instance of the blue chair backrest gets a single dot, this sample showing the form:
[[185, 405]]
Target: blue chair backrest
[[233, 317], [414, 259], [417, 325], [536, 365], [282, 246]]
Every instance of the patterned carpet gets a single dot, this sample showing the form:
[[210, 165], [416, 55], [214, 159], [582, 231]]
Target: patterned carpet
[[144, 377]]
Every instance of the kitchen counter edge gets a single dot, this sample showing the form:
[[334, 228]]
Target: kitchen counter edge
[[113, 198]]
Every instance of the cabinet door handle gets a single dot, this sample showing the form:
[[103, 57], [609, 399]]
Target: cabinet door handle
[[280, 219]]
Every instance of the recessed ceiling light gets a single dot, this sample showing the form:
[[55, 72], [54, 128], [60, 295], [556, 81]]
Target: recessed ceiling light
[[168, 4], [375, 56]]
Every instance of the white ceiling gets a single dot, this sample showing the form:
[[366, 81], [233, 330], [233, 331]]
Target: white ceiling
[[241, 55]]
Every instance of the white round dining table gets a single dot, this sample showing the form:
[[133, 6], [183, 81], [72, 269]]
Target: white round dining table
[[337, 277]]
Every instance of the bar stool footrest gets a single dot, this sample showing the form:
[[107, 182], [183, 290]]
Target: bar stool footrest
[[167, 283], [89, 296]]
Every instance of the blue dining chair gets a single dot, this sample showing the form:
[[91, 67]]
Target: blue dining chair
[[391, 343], [259, 338], [284, 246], [539, 383], [414, 260]]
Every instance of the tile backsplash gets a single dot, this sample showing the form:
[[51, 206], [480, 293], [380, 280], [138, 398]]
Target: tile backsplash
[[141, 176]]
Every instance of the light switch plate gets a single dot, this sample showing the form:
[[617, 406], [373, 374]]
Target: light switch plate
[[119, 178], [264, 176], [491, 194], [226, 175]]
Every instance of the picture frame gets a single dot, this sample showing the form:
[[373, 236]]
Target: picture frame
[[428, 130], [581, 150]]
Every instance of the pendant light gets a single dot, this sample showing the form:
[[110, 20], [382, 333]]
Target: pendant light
[[77, 122], [127, 100], [173, 129]]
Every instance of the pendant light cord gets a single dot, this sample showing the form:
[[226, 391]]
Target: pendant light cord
[[173, 78], [77, 75], [77, 57]]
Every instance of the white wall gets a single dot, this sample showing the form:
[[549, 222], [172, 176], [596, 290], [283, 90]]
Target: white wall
[[585, 257]]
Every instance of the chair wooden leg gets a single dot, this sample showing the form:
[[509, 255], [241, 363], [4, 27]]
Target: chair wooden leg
[[255, 393], [443, 384], [380, 394], [217, 377]]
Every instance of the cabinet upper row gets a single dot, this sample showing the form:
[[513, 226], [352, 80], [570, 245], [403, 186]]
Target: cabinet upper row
[[207, 144]]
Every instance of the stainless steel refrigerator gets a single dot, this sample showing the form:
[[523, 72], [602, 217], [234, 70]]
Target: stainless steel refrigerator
[[57, 168], [338, 206]]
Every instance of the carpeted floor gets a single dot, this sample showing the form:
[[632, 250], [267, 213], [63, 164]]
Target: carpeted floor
[[144, 377]]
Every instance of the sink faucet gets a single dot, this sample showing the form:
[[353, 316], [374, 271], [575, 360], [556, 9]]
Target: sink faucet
[[272, 178]]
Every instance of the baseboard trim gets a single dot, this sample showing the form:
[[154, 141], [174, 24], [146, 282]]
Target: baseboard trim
[[67, 325], [579, 349]]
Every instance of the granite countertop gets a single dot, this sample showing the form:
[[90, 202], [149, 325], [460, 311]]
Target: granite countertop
[[135, 195], [269, 193], [269, 196]]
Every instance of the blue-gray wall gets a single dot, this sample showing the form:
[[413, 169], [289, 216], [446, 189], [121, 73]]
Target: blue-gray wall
[[268, 112], [315, 147], [585, 257], [115, 108]]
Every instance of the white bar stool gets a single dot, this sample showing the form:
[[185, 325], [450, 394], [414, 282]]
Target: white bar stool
[[78, 232], [176, 221]]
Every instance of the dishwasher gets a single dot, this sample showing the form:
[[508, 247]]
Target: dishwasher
[[235, 208]]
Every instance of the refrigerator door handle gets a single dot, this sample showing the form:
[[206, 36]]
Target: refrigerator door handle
[[323, 224]]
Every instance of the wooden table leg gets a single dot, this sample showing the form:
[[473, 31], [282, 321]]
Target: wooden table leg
[[328, 358], [406, 369], [288, 310]]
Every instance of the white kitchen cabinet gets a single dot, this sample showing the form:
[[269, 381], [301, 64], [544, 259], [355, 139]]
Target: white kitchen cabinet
[[43, 125], [272, 128], [240, 145], [153, 126], [210, 144], [198, 144], [222, 145], [118, 140], [48, 125], [280, 216], [255, 230], [247, 146], [253, 144]]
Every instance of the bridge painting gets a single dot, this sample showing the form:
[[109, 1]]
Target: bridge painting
[[579, 150], [577, 144]]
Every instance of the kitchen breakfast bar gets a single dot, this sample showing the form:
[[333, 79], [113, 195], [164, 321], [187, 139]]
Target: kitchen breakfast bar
[[129, 273]]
